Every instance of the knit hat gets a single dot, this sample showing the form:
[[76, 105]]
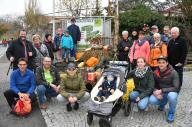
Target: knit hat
[[71, 66]]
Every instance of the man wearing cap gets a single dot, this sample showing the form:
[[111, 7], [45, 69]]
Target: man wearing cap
[[154, 29], [74, 31], [177, 52], [146, 31], [48, 80], [72, 88], [166, 87]]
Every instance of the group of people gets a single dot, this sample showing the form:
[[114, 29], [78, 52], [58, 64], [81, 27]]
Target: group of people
[[33, 69], [157, 68], [157, 62], [47, 82], [66, 43]]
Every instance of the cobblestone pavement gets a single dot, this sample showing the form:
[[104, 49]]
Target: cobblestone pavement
[[57, 116]]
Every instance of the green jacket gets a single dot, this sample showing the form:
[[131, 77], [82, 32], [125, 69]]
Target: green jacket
[[71, 84], [144, 86]]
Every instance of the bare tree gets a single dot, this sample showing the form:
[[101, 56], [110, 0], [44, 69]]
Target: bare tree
[[77, 8], [34, 20]]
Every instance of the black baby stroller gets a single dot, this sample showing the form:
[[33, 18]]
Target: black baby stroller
[[105, 110]]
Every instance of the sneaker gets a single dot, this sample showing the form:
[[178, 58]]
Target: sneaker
[[69, 108], [76, 106], [43, 106], [170, 118]]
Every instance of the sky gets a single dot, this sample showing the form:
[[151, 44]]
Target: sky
[[17, 7]]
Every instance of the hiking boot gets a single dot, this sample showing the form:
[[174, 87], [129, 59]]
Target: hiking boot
[[76, 106], [69, 108], [43, 106], [170, 118]]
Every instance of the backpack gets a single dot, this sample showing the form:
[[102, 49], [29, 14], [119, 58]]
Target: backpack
[[23, 107]]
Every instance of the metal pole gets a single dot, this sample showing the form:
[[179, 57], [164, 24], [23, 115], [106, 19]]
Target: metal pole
[[53, 20]]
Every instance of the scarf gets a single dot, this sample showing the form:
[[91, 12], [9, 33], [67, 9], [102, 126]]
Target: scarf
[[37, 45], [141, 73], [141, 42]]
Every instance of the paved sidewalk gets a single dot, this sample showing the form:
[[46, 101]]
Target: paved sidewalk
[[35, 119], [57, 116]]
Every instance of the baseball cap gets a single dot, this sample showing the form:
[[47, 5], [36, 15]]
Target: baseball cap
[[162, 58], [145, 25], [154, 27]]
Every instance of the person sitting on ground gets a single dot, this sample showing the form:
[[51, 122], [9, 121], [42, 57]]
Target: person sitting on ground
[[144, 84], [106, 89], [166, 87], [72, 88], [48, 80], [22, 85]]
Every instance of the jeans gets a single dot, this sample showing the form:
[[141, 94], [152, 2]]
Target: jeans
[[170, 97], [66, 53], [143, 103], [43, 90], [82, 100], [73, 51], [12, 97]]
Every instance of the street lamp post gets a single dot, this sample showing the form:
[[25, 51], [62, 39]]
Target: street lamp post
[[116, 20], [53, 20]]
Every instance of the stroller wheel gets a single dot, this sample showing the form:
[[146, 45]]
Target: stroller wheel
[[105, 122], [127, 109], [89, 118]]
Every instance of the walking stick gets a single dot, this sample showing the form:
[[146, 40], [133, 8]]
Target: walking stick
[[10, 66]]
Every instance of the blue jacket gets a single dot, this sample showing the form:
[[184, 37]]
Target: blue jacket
[[166, 38], [67, 42], [25, 83], [74, 31]]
